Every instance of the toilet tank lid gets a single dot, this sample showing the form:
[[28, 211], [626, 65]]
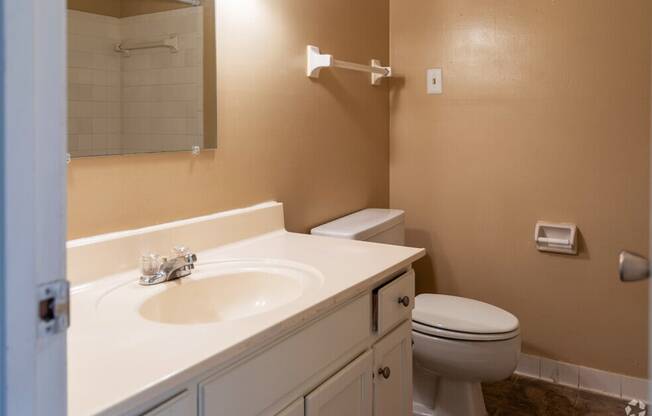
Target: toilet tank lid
[[361, 225], [458, 314]]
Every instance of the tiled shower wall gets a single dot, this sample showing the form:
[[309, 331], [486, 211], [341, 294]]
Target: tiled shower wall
[[94, 80], [162, 96], [148, 101]]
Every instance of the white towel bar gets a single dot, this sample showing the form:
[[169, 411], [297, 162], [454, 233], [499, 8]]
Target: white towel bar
[[317, 61], [172, 43]]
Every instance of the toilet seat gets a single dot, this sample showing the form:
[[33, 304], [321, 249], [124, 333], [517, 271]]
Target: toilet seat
[[462, 336], [457, 318]]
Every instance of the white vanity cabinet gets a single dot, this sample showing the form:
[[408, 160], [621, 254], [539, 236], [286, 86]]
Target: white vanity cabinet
[[353, 361]]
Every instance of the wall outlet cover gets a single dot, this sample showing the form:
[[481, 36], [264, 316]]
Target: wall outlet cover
[[435, 81]]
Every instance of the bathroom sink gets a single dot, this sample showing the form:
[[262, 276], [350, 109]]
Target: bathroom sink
[[222, 297], [218, 291]]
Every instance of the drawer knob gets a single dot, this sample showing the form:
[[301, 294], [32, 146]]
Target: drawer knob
[[405, 301], [385, 372]]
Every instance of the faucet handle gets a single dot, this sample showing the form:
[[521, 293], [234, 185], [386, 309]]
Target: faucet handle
[[183, 251], [150, 264], [179, 251]]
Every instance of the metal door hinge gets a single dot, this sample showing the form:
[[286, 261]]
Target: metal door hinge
[[53, 308]]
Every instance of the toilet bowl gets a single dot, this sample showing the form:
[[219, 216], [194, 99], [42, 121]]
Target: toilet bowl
[[459, 343]]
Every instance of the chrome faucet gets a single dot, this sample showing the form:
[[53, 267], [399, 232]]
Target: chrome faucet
[[156, 269]]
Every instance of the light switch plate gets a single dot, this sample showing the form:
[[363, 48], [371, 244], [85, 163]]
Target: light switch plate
[[435, 81]]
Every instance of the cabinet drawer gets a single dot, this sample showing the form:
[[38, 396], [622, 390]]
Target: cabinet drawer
[[258, 383], [393, 303]]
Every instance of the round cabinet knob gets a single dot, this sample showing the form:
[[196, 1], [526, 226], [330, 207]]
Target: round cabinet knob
[[385, 372], [405, 301]]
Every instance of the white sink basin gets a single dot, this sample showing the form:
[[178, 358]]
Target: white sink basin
[[215, 292]]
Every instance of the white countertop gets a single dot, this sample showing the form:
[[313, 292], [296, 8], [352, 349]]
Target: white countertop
[[120, 361]]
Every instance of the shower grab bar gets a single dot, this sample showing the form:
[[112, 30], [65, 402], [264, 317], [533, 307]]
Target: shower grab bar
[[172, 43], [317, 61]]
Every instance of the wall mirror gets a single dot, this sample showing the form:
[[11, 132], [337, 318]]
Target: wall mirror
[[141, 76]]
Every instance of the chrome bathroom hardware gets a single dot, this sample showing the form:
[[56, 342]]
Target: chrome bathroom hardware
[[171, 43], [156, 269], [317, 61], [633, 267]]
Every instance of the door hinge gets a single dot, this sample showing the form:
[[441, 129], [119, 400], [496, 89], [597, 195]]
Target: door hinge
[[53, 308]]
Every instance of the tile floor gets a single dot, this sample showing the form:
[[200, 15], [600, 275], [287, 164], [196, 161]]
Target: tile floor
[[522, 396]]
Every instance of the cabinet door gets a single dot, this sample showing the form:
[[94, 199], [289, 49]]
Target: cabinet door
[[183, 404], [393, 373], [295, 409], [347, 393], [247, 390]]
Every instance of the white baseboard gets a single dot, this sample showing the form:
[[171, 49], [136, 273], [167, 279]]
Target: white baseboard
[[584, 378]]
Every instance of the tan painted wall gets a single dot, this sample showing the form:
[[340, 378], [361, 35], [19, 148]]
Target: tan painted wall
[[545, 115], [210, 75], [320, 146]]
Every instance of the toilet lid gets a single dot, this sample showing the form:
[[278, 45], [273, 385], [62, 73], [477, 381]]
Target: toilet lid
[[452, 313]]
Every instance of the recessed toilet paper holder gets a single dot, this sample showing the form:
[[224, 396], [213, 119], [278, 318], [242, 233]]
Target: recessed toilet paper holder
[[556, 237]]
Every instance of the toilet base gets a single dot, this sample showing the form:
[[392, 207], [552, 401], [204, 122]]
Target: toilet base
[[454, 398]]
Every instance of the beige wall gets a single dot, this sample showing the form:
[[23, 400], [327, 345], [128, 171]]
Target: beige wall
[[545, 115], [210, 75], [320, 146]]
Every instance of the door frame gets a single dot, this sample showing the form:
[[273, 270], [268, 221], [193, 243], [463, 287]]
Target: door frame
[[33, 201], [650, 217]]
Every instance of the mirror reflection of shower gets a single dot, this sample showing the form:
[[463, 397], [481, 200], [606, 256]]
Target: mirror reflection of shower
[[137, 76]]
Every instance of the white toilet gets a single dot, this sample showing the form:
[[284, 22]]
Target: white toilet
[[458, 342]]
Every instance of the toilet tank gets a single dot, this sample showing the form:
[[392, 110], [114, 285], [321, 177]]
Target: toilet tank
[[373, 224]]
